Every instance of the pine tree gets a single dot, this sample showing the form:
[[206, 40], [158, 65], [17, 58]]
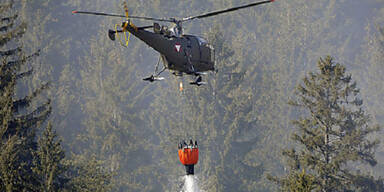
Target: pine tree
[[334, 133], [299, 182], [18, 119], [88, 174], [49, 161]]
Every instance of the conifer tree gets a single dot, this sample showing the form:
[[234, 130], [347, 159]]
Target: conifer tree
[[333, 134], [18, 118], [48, 161], [300, 182], [88, 174]]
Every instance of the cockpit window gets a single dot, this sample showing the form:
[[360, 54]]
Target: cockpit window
[[202, 41]]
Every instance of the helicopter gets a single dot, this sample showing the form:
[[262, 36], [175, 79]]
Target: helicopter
[[180, 53]]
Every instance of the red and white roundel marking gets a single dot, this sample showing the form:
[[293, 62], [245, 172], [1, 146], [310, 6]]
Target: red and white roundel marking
[[178, 47]]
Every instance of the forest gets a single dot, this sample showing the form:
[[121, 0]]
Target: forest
[[296, 103]]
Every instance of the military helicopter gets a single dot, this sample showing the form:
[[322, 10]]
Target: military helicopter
[[180, 53]]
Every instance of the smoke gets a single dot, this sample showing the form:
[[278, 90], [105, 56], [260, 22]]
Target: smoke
[[191, 184]]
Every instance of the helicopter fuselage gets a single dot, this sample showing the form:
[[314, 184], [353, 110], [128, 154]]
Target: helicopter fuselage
[[186, 54], [181, 53]]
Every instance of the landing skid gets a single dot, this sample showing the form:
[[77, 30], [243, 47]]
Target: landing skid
[[198, 81], [153, 78], [178, 74], [156, 75]]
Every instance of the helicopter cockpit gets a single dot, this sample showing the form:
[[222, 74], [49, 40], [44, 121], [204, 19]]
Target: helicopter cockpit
[[201, 41], [167, 32], [176, 31], [207, 50]]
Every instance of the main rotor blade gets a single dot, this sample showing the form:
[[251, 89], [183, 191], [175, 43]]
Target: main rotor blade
[[225, 11], [123, 16]]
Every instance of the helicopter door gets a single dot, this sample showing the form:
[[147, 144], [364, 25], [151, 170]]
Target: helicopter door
[[211, 59], [207, 54], [211, 53]]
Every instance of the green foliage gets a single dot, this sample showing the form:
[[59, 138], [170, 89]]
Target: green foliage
[[88, 175], [55, 173], [19, 118], [299, 182], [334, 132], [9, 157], [27, 165], [48, 161]]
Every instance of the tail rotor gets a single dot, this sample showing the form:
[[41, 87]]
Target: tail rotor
[[111, 33]]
